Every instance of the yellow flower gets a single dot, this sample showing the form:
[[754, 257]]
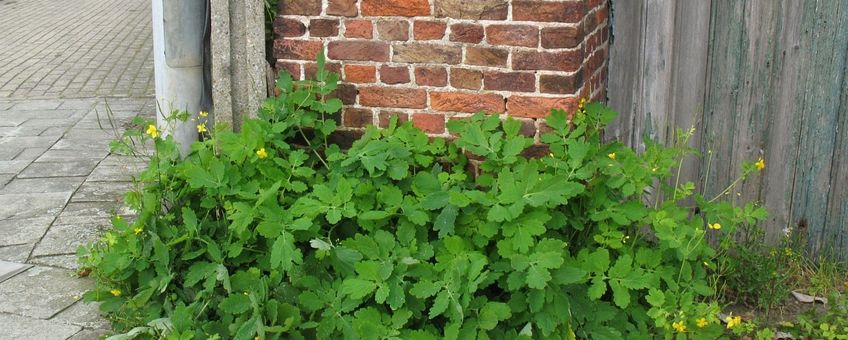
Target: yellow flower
[[152, 131], [203, 114], [760, 164], [733, 321], [714, 226], [679, 326], [611, 156], [201, 128], [115, 292], [261, 153], [702, 322], [138, 230]]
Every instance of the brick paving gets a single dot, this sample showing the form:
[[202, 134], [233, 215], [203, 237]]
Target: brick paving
[[75, 49], [61, 63]]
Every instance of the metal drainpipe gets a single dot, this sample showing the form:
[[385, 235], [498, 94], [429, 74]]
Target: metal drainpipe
[[179, 44]]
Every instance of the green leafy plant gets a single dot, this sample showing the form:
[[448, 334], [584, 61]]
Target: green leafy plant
[[276, 232]]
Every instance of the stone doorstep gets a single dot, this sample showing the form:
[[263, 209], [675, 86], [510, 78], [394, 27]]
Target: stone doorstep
[[9, 269]]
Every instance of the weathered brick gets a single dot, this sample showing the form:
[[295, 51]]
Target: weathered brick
[[297, 49], [559, 84], [357, 117], [485, 56], [402, 8], [310, 69], [342, 8], [360, 73], [429, 30], [466, 102], [567, 61], [431, 76], [379, 96], [346, 93], [560, 11], [474, 10], [386, 117], [467, 33], [513, 35], [358, 29], [509, 81], [394, 30], [323, 28], [289, 28], [429, 123], [301, 7], [291, 68], [466, 79], [358, 50], [537, 107], [561, 37], [394, 74], [427, 53], [528, 127]]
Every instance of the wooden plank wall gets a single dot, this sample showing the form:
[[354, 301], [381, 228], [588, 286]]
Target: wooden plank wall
[[757, 79]]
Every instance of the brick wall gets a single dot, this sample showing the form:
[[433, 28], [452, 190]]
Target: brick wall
[[433, 60]]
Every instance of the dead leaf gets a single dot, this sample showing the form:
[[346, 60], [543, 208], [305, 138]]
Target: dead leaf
[[804, 298]]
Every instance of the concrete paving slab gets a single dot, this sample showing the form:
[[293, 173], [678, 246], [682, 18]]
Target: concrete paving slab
[[90, 334], [37, 105], [9, 269], [18, 206], [24, 328], [65, 239], [81, 144], [60, 169], [16, 253], [83, 314], [59, 261], [5, 178], [28, 142], [102, 192], [21, 231], [42, 185], [30, 154], [72, 155], [99, 213], [41, 292], [12, 167]]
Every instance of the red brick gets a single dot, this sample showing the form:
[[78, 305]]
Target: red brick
[[561, 37], [401, 8], [360, 73], [509, 81], [342, 8], [567, 61], [291, 68], [538, 107], [466, 102], [393, 30], [485, 56], [386, 116], [429, 123], [528, 128], [289, 28], [429, 30], [357, 117], [560, 11], [300, 7], [474, 10], [394, 74], [358, 29], [431, 76], [310, 69], [467, 33], [323, 28], [346, 93], [513, 35], [466, 79], [297, 49], [358, 50], [427, 53], [378, 96], [559, 84]]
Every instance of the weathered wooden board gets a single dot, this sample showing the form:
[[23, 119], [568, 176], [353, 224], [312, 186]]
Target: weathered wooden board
[[757, 79]]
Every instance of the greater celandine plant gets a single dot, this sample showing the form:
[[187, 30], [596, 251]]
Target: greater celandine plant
[[275, 232]]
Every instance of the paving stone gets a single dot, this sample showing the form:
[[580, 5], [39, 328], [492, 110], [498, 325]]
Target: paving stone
[[17, 253], [90, 334], [8, 153], [28, 142], [5, 178], [12, 167], [115, 172], [81, 144], [66, 239], [41, 292], [38, 105], [83, 314], [12, 121], [18, 206], [5, 105], [24, 328], [21, 231], [65, 261], [21, 131], [62, 169], [72, 155], [107, 134], [102, 192], [90, 213], [42, 185], [30, 154], [77, 104], [9, 269]]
